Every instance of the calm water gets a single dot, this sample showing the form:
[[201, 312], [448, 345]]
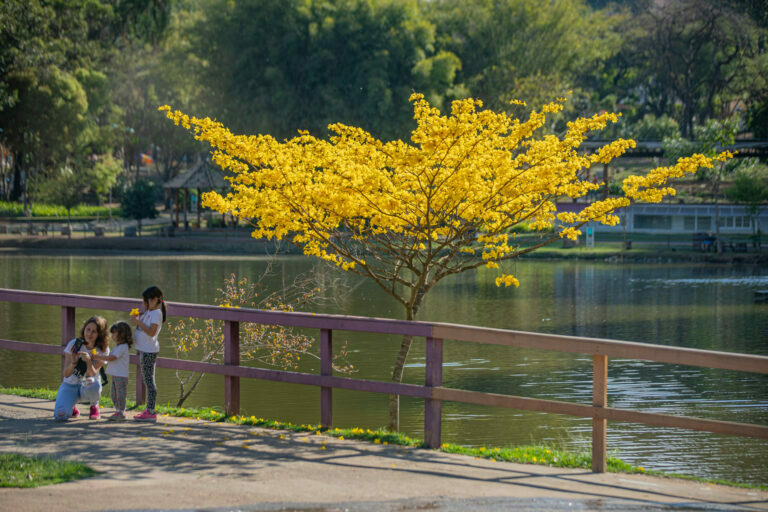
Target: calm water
[[708, 307]]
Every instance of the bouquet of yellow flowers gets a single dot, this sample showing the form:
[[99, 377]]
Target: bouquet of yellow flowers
[[134, 312]]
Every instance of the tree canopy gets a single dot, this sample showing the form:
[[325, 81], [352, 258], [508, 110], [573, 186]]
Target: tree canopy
[[408, 214]]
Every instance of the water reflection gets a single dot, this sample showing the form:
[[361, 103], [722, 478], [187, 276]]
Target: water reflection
[[707, 307]]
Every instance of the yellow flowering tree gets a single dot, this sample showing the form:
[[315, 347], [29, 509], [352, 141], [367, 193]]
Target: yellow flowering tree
[[408, 214]]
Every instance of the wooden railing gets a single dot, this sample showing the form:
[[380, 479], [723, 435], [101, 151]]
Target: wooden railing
[[432, 391]]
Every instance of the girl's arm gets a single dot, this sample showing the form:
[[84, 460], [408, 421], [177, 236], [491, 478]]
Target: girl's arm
[[98, 357], [151, 329], [96, 365]]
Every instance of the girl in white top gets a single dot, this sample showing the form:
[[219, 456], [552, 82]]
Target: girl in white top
[[81, 382], [148, 326], [119, 367]]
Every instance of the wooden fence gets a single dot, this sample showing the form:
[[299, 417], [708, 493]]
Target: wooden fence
[[432, 391]]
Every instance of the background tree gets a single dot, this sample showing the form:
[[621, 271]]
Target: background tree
[[139, 201], [695, 55], [280, 65], [64, 188], [709, 140], [523, 49], [407, 215], [750, 188]]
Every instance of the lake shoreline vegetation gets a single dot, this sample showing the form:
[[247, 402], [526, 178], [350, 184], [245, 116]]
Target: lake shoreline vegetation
[[609, 248], [540, 454]]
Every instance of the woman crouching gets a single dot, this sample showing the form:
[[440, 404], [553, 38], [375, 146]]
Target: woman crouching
[[81, 382]]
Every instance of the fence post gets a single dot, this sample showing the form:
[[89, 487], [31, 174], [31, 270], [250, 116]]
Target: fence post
[[433, 408], [599, 399], [326, 368], [232, 358], [67, 328]]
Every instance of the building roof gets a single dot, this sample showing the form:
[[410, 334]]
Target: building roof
[[204, 175], [702, 209]]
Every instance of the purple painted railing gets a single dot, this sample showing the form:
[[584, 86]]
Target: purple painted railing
[[432, 391]]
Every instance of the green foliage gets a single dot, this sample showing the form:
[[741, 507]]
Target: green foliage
[[709, 139], [750, 185], [65, 188], [304, 64], [80, 78], [509, 45], [18, 470], [14, 209], [139, 200], [651, 127], [691, 59]]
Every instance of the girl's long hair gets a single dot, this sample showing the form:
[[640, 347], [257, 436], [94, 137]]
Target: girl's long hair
[[153, 292], [124, 334]]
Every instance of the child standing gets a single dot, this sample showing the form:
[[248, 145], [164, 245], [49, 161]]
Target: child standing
[[118, 367], [148, 326]]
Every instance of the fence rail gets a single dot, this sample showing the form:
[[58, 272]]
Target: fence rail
[[432, 391]]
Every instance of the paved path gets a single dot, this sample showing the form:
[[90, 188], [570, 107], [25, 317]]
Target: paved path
[[193, 465]]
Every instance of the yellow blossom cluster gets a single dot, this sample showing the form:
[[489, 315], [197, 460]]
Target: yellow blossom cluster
[[456, 188]]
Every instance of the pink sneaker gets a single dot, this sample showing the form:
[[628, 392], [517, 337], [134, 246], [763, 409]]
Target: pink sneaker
[[75, 412], [95, 414], [118, 416], [145, 416]]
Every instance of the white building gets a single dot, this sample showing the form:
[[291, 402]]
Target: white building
[[679, 218]]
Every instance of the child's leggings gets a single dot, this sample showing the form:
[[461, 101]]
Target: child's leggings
[[148, 375], [119, 390]]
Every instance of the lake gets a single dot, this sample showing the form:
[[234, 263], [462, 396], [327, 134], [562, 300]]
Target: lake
[[690, 305]]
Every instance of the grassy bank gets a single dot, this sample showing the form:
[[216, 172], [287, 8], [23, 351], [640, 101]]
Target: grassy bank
[[529, 454], [21, 471]]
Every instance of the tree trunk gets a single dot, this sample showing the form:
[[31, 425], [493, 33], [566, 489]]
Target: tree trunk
[[397, 372], [719, 245], [16, 185], [397, 376]]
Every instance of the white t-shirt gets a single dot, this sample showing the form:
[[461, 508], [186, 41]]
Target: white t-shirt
[[80, 379], [144, 342], [120, 367]]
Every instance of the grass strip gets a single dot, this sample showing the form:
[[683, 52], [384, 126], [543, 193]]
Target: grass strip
[[528, 454], [18, 470]]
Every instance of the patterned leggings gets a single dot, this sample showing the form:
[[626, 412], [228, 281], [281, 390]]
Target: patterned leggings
[[119, 390], [148, 375]]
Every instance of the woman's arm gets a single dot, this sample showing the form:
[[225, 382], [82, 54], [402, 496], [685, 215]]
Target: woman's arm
[[69, 364]]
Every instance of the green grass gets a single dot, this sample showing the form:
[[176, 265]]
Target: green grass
[[21, 471], [527, 454]]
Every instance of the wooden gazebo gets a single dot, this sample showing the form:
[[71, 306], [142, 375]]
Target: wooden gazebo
[[203, 177]]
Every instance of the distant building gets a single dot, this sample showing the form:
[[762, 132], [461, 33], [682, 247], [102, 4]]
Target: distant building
[[678, 218]]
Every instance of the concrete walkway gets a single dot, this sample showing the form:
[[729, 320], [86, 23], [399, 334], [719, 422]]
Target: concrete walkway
[[182, 464]]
